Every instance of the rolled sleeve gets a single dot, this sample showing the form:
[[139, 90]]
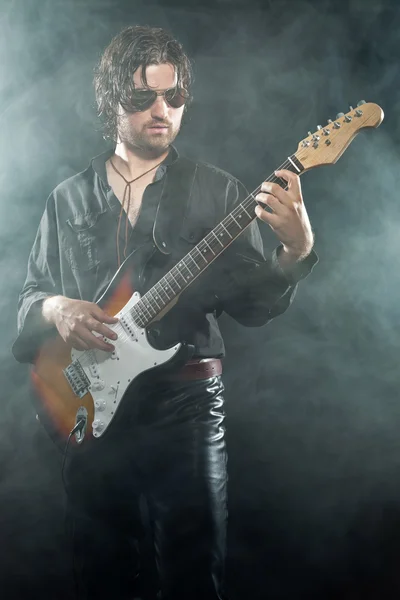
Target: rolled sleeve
[[296, 272], [42, 281]]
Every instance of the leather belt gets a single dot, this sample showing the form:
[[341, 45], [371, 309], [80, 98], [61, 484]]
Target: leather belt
[[202, 368]]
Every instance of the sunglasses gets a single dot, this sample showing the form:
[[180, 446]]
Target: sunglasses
[[141, 100]]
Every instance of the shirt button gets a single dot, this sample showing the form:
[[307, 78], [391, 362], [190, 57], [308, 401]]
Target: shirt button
[[191, 236]]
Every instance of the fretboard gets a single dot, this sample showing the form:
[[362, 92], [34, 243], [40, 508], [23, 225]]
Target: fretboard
[[173, 283]]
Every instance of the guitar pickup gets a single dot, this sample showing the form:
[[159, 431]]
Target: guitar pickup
[[129, 327]]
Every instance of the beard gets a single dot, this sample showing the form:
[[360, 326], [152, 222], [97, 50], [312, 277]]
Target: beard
[[142, 140]]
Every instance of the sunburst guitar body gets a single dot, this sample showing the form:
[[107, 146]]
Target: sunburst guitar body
[[88, 387]]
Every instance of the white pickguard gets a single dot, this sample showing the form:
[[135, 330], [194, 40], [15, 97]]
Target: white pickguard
[[111, 374]]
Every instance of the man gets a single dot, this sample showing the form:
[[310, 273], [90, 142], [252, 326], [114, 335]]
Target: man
[[169, 449]]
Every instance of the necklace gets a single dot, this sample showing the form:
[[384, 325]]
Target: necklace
[[127, 193]]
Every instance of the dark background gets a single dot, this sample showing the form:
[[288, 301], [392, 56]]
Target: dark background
[[313, 398]]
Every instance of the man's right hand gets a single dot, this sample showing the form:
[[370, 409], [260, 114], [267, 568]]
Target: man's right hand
[[76, 320]]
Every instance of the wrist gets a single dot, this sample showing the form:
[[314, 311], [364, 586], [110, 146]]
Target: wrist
[[293, 267], [50, 308], [290, 256]]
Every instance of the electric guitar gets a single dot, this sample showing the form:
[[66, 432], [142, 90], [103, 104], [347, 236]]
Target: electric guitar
[[78, 393]]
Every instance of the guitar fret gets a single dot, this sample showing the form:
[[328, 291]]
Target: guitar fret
[[137, 317], [295, 166], [201, 254], [181, 275], [250, 206], [238, 224], [192, 259], [141, 301], [216, 237], [248, 214], [226, 230], [141, 322], [147, 302], [186, 267], [149, 292], [172, 275], [169, 285], [209, 246], [160, 291]]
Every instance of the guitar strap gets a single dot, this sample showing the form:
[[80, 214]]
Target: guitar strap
[[174, 200]]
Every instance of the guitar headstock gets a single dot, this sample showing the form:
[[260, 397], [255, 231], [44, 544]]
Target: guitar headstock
[[327, 144]]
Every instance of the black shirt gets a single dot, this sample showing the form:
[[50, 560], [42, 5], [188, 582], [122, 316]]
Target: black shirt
[[75, 255]]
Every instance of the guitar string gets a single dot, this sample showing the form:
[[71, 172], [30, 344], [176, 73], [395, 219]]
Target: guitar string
[[122, 335], [212, 242], [247, 202]]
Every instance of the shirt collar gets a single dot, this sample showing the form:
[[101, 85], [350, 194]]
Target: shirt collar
[[99, 163]]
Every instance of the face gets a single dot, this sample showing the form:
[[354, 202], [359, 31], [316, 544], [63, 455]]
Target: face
[[151, 131]]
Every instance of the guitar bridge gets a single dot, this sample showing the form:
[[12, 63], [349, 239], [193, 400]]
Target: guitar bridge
[[77, 378]]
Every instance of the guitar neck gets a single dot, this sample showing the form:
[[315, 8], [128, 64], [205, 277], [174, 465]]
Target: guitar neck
[[165, 291]]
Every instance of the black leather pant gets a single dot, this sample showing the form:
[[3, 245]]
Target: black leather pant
[[168, 449]]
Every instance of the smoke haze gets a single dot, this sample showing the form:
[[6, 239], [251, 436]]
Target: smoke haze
[[312, 399]]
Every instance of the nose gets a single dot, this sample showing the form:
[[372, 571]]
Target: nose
[[159, 108]]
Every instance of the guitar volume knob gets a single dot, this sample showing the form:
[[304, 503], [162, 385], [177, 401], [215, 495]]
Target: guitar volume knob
[[98, 385], [100, 404]]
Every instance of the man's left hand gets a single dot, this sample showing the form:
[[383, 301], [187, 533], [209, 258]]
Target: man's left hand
[[288, 219]]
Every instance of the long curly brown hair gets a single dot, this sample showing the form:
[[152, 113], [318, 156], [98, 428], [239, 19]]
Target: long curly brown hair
[[134, 47]]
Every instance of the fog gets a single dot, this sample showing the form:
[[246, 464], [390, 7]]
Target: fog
[[313, 406]]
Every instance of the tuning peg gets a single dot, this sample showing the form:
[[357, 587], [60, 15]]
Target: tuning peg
[[351, 108], [319, 127], [309, 133], [361, 103], [339, 115], [329, 120]]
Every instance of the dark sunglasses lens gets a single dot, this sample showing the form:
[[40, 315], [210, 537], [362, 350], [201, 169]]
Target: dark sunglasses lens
[[176, 97], [142, 99]]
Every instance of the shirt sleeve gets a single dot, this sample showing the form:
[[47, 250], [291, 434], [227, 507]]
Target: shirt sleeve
[[253, 288], [42, 281]]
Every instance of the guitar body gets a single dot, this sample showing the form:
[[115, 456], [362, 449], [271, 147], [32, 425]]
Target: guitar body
[[94, 389]]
